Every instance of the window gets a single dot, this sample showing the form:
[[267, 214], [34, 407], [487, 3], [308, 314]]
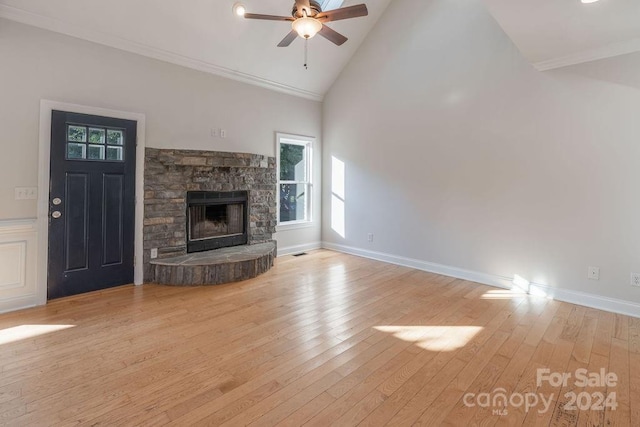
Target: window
[[331, 4], [93, 143], [294, 179]]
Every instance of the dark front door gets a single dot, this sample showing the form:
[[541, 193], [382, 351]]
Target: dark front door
[[91, 203]]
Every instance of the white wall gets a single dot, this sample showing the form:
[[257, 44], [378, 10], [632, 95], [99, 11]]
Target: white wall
[[458, 153], [181, 107]]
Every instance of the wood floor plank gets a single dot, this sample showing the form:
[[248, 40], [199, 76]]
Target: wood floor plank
[[619, 365], [307, 411], [325, 339], [487, 380], [406, 388], [634, 387]]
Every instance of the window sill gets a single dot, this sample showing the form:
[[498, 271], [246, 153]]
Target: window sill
[[294, 225]]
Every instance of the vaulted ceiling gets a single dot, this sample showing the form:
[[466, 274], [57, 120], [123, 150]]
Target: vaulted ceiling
[[557, 33], [206, 35]]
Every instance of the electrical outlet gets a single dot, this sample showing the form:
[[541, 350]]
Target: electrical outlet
[[223, 133], [154, 253], [215, 132], [635, 280], [370, 237], [26, 193], [593, 273]]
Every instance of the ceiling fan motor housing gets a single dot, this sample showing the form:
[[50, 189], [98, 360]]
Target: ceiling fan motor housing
[[315, 9]]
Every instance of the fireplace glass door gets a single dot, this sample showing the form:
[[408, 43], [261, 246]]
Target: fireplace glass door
[[216, 220], [211, 221]]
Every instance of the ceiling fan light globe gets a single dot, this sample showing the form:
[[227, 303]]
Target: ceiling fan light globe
[[307, 27], [239, 9]]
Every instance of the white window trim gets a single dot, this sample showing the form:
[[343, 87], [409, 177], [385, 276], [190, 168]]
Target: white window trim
[[309, 142]]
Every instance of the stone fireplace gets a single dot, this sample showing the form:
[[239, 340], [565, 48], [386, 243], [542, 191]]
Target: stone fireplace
[[203, 200]]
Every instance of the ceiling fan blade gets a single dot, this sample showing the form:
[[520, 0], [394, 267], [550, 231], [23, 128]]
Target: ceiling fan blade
[[267, 17], [332, 35], [288, 39], [344, 13], [303, 4]]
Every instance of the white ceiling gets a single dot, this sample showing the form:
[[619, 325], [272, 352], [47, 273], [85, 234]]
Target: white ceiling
[[206, 35], [557, 33]]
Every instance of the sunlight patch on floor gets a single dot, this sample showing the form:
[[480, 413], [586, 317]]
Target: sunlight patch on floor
[[434, 338], [503, 294], [24, 332]]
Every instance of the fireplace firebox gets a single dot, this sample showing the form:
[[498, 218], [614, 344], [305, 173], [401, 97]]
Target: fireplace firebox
[[216, 219]]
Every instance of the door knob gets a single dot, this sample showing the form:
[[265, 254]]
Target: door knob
[[56, 201], [56, 214]]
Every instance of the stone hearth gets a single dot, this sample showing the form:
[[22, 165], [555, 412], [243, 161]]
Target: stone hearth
[[215, 267], [170, 174]]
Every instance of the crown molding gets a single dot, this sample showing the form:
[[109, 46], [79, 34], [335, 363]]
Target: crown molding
[[609, 51], [77, 31]]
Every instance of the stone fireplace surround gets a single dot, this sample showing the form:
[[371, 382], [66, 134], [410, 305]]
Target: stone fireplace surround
[[169, 174]]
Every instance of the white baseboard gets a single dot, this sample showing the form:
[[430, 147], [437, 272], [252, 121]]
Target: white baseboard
[[574, 297], [600, 302], [459, 273], [14, 304], [290, 250]]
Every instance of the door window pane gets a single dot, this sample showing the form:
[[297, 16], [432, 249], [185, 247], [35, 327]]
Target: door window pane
[[76, 151], [114, 153], [77, 133], [96, 152], [96, 136], [115, 137]]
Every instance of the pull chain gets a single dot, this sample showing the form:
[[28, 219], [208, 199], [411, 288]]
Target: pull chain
[[306, 43]]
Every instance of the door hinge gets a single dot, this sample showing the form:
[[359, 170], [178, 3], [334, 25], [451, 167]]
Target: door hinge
[[135, 260]]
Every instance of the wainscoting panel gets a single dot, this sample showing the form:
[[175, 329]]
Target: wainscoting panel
[[18, 249], [12, 265]]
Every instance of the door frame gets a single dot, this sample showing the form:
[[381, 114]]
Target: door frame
[[44, 165]]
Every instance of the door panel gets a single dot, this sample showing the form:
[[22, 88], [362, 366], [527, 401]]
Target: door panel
[[112, 219], [92, 203], [76, 218]]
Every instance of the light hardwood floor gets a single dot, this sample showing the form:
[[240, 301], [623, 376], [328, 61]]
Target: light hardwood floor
[[323, 339]]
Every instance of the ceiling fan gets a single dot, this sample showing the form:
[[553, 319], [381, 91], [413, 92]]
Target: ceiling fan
[[308, 19]]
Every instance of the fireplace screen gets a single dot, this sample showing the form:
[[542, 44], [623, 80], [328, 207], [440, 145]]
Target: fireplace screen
[[212, 221], [216, 220]]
